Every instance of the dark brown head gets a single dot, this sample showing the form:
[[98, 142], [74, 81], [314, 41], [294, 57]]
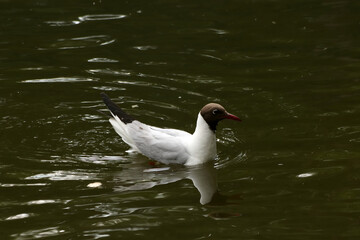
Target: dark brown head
[[213, 113]]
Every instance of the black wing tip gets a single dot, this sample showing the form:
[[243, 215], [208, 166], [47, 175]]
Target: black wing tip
[[106, 99], [104, 95], [116, 110]]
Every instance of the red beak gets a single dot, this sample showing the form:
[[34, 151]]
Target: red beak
[[232, 117]]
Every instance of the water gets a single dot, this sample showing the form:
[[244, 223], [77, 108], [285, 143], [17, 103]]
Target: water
[[290, 70]]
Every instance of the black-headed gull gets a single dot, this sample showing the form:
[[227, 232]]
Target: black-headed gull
[[171, 146]]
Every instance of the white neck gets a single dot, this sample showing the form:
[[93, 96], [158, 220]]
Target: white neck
[[202, 145], [202, 128]]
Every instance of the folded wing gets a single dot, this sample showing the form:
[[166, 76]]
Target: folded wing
[[164, 145]]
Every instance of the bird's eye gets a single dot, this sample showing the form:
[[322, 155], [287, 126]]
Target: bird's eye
[[215, 111]]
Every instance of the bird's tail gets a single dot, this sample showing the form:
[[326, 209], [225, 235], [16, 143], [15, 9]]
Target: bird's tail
[[119, 120], [116, 110]]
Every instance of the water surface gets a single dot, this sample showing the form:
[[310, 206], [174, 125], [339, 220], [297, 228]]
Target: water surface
[[290, 70]]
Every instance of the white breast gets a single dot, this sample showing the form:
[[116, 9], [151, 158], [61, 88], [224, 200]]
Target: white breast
[[202, 144]]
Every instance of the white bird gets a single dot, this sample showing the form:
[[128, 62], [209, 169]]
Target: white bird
[[170, 146]]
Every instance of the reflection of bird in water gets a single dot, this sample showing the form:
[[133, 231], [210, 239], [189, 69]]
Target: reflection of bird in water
[[203, 177]]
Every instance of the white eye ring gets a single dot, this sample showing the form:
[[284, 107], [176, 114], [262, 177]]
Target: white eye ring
[[215, 111]]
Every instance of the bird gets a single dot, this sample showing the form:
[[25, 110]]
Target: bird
[[170, 146]]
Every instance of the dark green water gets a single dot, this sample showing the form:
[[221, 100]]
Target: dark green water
[[289, 69]]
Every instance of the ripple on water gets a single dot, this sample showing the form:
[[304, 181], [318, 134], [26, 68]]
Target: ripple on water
[[61, 175], [19, 216], [228, 137], [109, 88], [101, 17], [103, 60], [103, 160], [145, 48], [108, 71], [159, 86], [151, 63], [223, 162], [160, 83], [203, 79], [163, 105], [85, 18], [59, 80], [218, 31], [81, 42], [306, 175], [35, 202], [39, 233], [62, 23], [351, 132], [22, 184], [236, 56]]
